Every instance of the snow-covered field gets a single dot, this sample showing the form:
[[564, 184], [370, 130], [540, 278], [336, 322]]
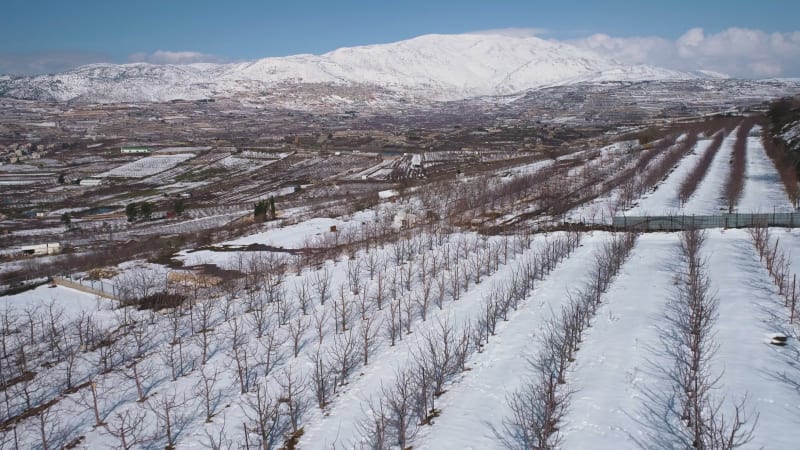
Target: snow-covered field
[[664, 200], [149, 165], [317, 350], [67, 303], [763, 191]]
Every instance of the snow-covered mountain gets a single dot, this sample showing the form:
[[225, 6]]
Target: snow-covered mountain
[[433, 67]]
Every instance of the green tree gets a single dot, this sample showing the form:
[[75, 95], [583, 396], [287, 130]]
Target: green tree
[[146, 210], [178, 206], [260, 211], [61, 178], [66, 219], [132, 211]]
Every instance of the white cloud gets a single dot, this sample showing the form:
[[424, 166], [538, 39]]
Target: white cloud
[[739, 52], [168, 57]]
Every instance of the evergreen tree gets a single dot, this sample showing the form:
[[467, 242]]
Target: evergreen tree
[[146, 210], [132, 210], [178, 206], [260, 211]]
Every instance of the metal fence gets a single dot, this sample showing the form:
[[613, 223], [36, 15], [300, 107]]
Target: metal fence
[[103, 290], [682, 222]]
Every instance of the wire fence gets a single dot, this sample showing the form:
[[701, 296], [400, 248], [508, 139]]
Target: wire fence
[[683, 222], [103, 289]]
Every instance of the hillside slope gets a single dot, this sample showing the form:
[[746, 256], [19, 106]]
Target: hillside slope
[[433, 67]]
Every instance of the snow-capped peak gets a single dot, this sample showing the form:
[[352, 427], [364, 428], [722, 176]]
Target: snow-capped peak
[[434, 67]]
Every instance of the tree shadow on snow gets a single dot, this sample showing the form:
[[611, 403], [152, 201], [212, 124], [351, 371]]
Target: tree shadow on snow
[[659, 411]]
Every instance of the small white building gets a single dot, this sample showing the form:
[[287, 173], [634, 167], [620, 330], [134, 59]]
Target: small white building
[[387, 194], [51, 248], [91, 182], [135, 150]]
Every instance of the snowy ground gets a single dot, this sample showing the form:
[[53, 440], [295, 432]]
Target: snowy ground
[[750, 312], [476, 402], [67, 303], [762, 192], [664, 200], [763, 189], [618, 376], [149, 165], [615, 366], [709, 197]]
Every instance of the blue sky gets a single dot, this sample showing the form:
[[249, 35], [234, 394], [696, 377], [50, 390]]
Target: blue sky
[[38, 36]]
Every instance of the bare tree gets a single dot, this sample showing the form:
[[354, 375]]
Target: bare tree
[[345, 354], [320, 322], [375, 426], [372, 263], [777, 264], [297, 329], [205, 327], [423, 297], [92, 401], [322, 284], [692, 314], [69, 354], [353, 275], [265, 420], [271, 353], [440, 354], [52, 433], [179, 359], [369, 330], [408, 310], [399, 403], [455, 287], [380, 288], [301, 292], [293, 387], [343, 309], [260, 319], [167, 408], [364, 301], [127, 426], [728, 433], [206, 388], [142, 372], [220, 441], [536, 410], [407, 274], [395, 323], [322, 380], [110, 352], [244, 370]]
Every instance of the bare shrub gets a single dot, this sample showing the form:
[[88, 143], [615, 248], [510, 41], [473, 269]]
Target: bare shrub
[[735, 181], [695, 177]]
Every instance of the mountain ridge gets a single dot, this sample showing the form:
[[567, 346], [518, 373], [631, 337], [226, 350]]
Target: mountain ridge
[[434, 67]]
